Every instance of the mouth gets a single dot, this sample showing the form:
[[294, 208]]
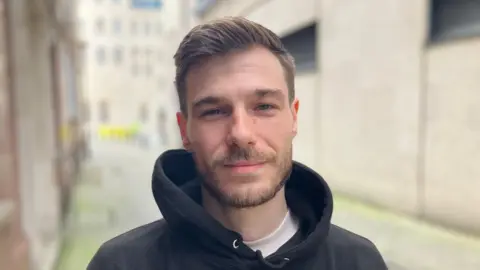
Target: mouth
[[244, 167]]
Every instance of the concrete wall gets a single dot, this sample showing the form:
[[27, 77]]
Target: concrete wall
[[452, 164], [369, 106], [36, 132], [380, 119], [13, 245], [306, 88]]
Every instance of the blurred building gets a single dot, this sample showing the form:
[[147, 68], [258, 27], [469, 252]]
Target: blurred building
[[40, 143], [128, 65], [390, 106]]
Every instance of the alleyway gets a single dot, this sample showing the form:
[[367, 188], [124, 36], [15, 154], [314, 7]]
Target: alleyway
[[114, 196]]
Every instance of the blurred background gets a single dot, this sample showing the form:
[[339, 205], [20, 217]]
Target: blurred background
[[390, 116]]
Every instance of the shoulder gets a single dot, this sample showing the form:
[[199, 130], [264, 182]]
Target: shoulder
[[361, 250], [115, 253], [345, 238]]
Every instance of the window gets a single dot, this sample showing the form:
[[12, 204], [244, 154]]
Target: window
[[158, 28], [118, 55], [135, 51], [147, 28], [148, 70], [80, 25], [148, 54], [117, 26], [135, 69], [85, 111], [104, 111], [100, 25], [453, 19], [160, 57], [162, 83], [302, 44], [143, 113], [100, 55], [134, 28]]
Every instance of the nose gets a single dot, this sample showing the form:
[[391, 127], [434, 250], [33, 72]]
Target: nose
[[241, 131]]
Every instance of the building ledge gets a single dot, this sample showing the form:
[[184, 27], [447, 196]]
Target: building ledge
[[6, 212]]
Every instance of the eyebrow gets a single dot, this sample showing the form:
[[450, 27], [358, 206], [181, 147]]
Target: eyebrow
[[259, 92], [265, 92], [209, 100]]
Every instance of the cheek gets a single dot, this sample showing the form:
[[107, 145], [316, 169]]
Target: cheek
[[205, 140], [276, 132]]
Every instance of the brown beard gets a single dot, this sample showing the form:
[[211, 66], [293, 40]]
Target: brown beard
[[209, 178]]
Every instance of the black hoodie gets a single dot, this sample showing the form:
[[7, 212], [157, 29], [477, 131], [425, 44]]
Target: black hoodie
[[188, 238]]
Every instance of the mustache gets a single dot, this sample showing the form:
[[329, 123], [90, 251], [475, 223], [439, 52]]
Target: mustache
[[242, 154]]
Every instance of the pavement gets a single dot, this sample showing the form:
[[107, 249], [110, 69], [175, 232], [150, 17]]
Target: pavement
[[114, 196]]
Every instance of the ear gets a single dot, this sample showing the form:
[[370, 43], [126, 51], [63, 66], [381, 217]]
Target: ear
[[182, 126], [295, 106]]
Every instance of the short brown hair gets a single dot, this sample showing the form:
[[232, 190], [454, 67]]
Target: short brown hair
[[221, 36]]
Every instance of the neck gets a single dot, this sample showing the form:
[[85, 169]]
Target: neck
[[252, 223]]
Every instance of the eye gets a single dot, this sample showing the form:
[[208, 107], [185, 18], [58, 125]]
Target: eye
[[265, 107], [211, 112]]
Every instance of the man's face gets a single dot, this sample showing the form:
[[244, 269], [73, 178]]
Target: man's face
[[240, 126]]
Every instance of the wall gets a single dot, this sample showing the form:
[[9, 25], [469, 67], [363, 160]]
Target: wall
[[31, 40], [305, 90], [452, 170], [369, 106], [13, 245]]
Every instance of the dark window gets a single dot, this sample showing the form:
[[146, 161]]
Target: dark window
[[148, 70], [117, 26], [118, 55], [135, 69], [453, 19], [302, 44], [86, 111], [134, 52], [143, 113], [148, 54], [158, 28], [100, 55], [134, 28], [100, 25], [104, 111], [147, 28]]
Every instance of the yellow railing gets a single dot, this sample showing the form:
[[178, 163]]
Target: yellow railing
[[108, 132]]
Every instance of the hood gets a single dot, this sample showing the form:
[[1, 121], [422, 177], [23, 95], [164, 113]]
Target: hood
[[177, 193]]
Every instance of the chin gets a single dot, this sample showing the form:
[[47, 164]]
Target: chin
[[248, 193]]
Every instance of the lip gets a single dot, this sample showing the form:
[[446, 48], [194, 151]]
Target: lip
[[244, 167], [243, 164]]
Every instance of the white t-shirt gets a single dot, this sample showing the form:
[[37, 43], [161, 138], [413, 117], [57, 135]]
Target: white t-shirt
[[272, 242]]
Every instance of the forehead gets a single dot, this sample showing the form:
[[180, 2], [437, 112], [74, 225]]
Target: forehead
[[236, 75]]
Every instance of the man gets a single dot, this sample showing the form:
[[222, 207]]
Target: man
[[234, 199]]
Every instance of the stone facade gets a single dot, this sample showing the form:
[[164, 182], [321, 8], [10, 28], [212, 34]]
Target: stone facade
[[13, 245]]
